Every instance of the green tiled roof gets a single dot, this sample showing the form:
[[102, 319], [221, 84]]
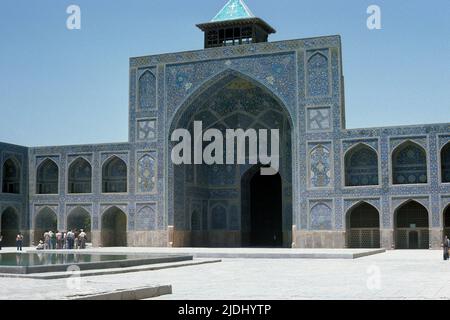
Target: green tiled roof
[[234, 9]]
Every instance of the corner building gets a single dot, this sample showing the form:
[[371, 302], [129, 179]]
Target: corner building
[[336, 188]]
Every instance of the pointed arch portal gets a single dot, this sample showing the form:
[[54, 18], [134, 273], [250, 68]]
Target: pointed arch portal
[[232, 213], [80, 177], [411, 226], [114, 228], [45, 220], [114, 176], [11, 176], [409, 164], [447, 221], [9, 227], [79, 219], [363, 226], [361, 166], [47, 177], [445, 164]]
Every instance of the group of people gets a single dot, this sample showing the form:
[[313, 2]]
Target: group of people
[[19, 241], [72, 239]]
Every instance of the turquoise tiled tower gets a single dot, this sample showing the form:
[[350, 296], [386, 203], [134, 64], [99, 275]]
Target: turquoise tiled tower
[[234, 9]]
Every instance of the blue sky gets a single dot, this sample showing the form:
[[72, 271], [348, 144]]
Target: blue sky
[[71, 87]]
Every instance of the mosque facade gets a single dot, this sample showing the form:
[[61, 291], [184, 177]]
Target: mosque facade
[[336, 187]]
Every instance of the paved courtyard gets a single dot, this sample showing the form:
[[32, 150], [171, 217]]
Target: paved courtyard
[[391, 275], [402, 275]]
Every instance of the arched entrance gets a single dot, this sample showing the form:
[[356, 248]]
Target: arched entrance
[[262, 209], [363, 226], [411, 226], [447, 222], [11, 177], [9, 227], [80, 177], [211, 203], [47, 177], [445, 164], [114, 176], [45, 220], [361, 166], [79, 219], [114, 228], [409, 164]]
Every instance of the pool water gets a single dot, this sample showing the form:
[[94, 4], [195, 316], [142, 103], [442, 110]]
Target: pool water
[[46, 259], [41, 262]]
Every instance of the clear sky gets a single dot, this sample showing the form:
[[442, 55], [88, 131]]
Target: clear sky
[[60, 87]]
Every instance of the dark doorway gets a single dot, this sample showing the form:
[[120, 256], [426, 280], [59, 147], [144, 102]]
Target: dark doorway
[[46, 220], [266, 211], [447, 222], [11, 177], [413, 240], [412, 226], [79, 219], [114, 228], [363, 227], [9, 227]]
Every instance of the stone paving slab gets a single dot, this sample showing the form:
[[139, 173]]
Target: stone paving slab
[[126, 294], [69, 289]]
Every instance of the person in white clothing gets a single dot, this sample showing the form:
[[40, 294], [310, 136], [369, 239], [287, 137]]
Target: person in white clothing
[[82, 237], [70, 239], [46, 240]]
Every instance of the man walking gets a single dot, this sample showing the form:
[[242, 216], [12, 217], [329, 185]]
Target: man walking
[[446, 247]]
